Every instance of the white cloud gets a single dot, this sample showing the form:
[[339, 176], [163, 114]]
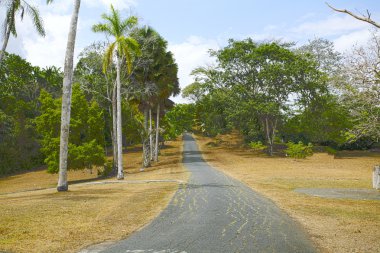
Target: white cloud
[[49, 50], [189, 55], [347, 41], [333, 25]]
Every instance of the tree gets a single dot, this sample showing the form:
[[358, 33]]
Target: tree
[[19, 91], [87, 131], [156, 78], [366, 18], [122, 47], [145, 80], [322, 51], [66, 99], [253, 87], [13, 7], [361, 90], [99, 85], [178, 120]]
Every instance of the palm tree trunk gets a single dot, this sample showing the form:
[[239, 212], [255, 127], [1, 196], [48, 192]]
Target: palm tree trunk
[[150, 135], [114, 131], [5, 44], [66, 100], [146, 152], [157, 133], [120, 171]]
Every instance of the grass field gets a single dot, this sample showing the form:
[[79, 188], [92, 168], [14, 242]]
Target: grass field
[[335, 225], [48, 221]]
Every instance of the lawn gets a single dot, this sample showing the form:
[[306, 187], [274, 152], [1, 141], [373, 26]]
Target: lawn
[[335, 225], [47, 221]]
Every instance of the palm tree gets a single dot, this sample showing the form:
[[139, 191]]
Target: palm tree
[[155, 69], [123, 47], [66, 98], [13, 7], [168, 85]]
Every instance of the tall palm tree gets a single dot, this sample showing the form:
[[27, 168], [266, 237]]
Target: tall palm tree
[[145, 75], [66, 98], [14, 7], [123, 47], [168, 85]]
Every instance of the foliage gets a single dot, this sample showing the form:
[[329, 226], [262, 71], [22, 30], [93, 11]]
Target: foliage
[[178, 120], [20, 86], [331, 151], [86, 132], [254, 87], [299, 150], [257, 146]]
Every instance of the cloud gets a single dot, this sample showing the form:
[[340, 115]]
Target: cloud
[[189, 55], [49, 50], [347, 41], [333, 25]]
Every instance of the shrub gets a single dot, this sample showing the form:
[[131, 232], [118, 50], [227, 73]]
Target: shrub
[[331, 151], [257, 146], [107, 169], [299, 150]]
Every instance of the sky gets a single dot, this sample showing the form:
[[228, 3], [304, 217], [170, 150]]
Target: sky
[[192, 27]]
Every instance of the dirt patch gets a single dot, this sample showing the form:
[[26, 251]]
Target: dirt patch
[[335, 225], [51, 221]]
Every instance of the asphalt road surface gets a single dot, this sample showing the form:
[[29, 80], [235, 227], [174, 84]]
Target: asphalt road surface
[[215, 213]]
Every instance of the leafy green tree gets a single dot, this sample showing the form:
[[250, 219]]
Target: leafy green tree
[[20, 86], [256, 81], [87, 131], [178, 120], [123, 47]]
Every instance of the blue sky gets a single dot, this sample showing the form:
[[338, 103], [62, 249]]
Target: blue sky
[[194, 26]]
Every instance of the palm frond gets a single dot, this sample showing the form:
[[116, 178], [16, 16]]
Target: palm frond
[[35, 15], [104, 28], [108, 56], [128, 23]]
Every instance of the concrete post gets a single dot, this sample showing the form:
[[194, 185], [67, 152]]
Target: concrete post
[[376, 177]]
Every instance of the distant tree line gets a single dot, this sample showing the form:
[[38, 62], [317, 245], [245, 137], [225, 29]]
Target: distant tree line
[[275, 92]]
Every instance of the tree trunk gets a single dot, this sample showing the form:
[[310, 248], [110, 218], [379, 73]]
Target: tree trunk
[[157, 133], [150, 135], [114, 131], [66, 100], [146, 151], [5, 43], [269, 137], [120, 171]]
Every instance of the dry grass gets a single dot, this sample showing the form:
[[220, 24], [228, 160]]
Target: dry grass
[[335, 225], [48, 221]]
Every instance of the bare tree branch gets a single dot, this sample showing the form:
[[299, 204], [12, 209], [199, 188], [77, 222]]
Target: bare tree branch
[[362, 18]]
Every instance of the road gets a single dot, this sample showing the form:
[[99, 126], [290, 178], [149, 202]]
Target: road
[[215, 213]]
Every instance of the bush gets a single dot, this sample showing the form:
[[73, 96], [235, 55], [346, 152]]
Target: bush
[[257, 146], [299, 150], [331, 151], [107, 169]]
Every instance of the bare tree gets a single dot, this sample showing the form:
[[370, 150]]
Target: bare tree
[[361, 91], [364, 18]]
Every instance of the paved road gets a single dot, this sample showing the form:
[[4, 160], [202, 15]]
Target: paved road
[[215, 213]]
